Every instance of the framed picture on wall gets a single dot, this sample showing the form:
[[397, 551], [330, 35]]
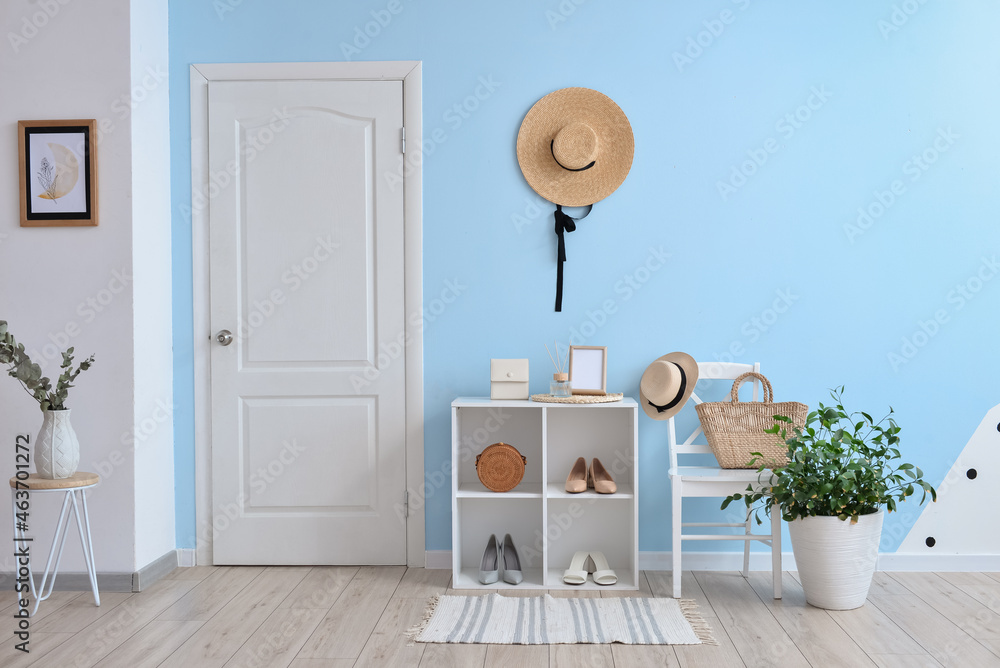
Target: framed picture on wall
[[57, 163], [588, 369]]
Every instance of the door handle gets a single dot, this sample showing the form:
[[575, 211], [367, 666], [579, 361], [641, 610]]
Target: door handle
[[225, 337]]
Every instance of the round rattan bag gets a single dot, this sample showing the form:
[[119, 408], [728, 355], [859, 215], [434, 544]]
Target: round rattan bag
[[500, 467]]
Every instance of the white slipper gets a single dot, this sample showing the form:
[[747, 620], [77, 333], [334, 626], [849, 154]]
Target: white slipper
[[603, 575], [576, 574]]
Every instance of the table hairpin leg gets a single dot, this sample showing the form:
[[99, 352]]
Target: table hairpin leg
[[78, 483], [88, 546], [58, 544], [59, 538]]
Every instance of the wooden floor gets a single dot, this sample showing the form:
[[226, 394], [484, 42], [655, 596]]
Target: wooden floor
[[350, 616]]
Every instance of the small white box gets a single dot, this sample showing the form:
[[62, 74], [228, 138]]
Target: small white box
[[508, 379]]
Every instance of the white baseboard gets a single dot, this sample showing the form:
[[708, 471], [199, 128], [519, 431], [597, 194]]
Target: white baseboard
[[187, 557], [761, 561], [713, 561], [941, 563]]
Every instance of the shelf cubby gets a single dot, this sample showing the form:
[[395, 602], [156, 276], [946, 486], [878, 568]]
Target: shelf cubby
[[546, 523]]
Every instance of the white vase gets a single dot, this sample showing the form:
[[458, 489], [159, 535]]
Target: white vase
[[836, 559], [57, 450]]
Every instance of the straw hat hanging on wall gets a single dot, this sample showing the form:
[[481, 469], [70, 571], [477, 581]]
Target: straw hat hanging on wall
[[575, 148]]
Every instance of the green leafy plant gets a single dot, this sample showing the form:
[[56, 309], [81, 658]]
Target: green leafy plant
[[840, 464], [30, 375]]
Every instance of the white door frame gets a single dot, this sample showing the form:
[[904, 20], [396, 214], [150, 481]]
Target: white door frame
[[409, 72]]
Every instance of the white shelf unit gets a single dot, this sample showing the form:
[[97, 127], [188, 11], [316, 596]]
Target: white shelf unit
[[546, 523]]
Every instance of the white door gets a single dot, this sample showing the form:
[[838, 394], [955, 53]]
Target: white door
[[308, 456]]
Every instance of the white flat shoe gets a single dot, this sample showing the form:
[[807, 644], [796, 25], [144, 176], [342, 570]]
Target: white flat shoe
[[576, 574], [603, 575]]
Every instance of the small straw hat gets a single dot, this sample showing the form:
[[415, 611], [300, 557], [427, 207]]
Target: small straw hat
[[575, 146], [667, 384]]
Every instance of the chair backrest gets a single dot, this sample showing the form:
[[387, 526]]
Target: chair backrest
[[707, 371]]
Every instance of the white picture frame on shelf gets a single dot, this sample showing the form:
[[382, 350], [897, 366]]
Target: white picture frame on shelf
[[588, 369]]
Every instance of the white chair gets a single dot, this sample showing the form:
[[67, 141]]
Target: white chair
[[713, 481]]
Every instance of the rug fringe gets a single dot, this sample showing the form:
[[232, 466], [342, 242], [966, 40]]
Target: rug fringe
[[414, 631], [689, 608]]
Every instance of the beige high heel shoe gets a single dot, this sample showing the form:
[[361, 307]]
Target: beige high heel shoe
[[576, 481], [599, 479]]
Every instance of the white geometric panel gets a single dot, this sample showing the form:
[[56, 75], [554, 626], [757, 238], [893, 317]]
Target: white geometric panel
[[309, 454], [958, 523], [307, 254]]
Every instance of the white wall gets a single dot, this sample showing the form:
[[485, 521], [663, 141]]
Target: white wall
[[153, 438], [75, 286], [72, 64]]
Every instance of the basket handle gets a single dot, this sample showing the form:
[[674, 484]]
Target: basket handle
[[768, 391]]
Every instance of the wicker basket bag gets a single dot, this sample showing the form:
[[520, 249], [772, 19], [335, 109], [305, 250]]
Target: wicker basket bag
[[735, 428], [500, 467]]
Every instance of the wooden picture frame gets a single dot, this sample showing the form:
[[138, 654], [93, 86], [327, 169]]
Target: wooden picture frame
[[57, 168], [588, 369]]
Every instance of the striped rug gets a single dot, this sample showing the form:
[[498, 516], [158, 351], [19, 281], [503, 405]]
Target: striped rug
[[544, 620]]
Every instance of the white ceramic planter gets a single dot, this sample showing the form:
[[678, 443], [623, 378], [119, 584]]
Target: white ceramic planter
[[836, 559], [57, 450]]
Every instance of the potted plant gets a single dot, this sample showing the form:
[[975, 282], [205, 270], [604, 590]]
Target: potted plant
[[843, 469], [57, 450]]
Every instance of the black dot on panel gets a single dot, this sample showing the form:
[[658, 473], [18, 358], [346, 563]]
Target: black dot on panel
[[930, 541], [998, 426], [971, 474]]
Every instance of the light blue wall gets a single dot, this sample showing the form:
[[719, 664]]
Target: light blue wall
[[889, 95]]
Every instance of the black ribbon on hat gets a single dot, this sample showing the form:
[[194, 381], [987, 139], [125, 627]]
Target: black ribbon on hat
[[680, 392], [552, 150], [564, 223]]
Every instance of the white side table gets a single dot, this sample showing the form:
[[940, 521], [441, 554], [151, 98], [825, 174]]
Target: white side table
[[72, 487]]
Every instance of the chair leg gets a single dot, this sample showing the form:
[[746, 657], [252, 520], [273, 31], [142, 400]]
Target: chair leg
[[746, 548], [675, 550], [776, 549]]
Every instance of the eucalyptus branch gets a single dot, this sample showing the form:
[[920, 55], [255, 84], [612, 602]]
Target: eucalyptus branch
[[29, 374]]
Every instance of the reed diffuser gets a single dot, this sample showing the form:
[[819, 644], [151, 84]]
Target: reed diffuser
[[559, 387]]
